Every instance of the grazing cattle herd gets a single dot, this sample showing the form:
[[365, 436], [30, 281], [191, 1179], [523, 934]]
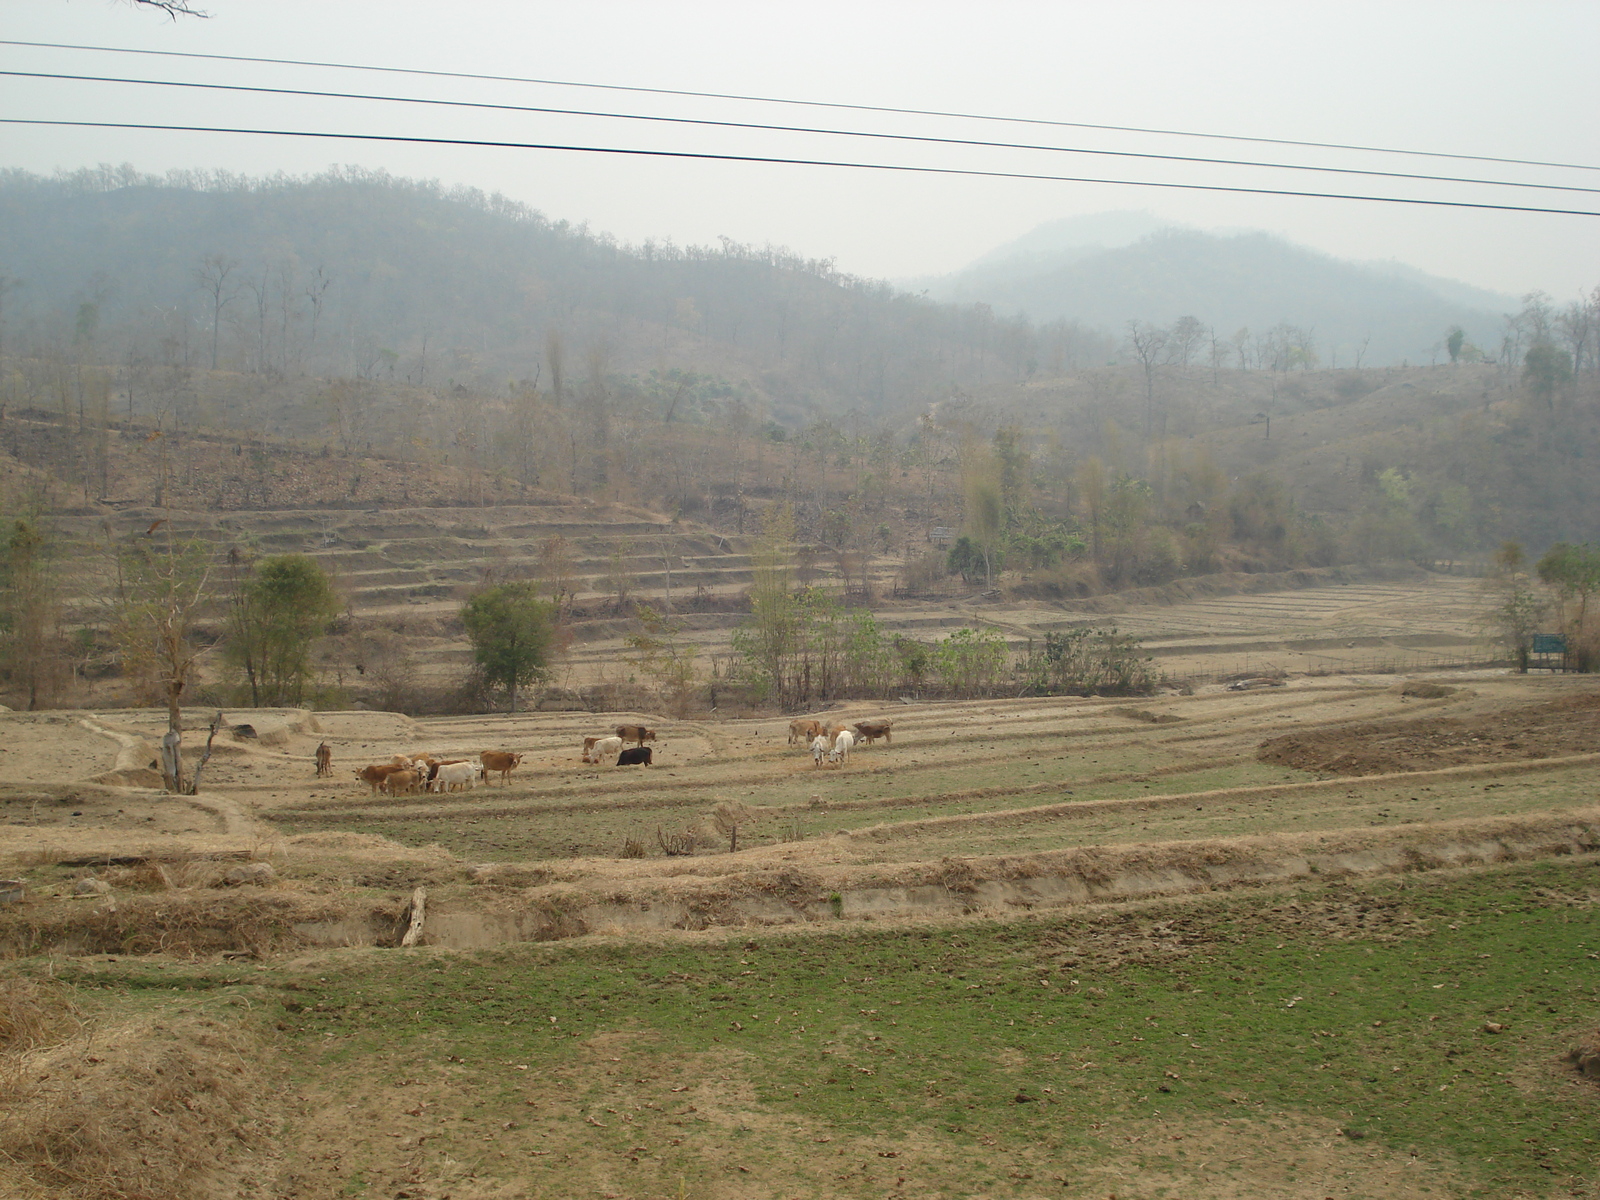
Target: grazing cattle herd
[[407, 774]]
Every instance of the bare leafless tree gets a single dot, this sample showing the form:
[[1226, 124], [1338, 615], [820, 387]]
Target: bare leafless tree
[[212, 276], [1149, 343], [173, 8]]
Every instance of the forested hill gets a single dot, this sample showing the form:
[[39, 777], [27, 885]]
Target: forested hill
[[1255, 281], [361, 274]]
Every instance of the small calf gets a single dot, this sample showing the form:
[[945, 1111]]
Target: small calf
[[499, 760], [403, 780], [374, 775], [819, 749], [871, 731], [635, 756]]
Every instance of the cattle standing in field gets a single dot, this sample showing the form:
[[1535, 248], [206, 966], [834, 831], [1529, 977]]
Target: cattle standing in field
[[637, 734], [819, 749], [448, 776], [635, 756], [870, 731], [588, 746], [435, 763], [499, 760], [842, 746], [604, 748], [406, 779], [374, 775], [324, 760], [802, 730]]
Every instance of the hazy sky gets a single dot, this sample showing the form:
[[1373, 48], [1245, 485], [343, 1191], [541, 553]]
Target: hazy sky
[[1508, 80]]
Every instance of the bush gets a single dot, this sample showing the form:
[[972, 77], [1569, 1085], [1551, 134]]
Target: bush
[[1100, 662]]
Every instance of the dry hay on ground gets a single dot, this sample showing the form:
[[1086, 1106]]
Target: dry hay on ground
[[246, 922], [1555, 729], [147, 1110]]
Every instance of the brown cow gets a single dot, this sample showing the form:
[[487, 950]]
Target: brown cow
[[324, 760], [871, 731], [406, 779], [802, 730], [499, 760], [636, 733], [374, 775]]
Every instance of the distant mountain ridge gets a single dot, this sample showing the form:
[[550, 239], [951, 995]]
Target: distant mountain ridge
[[1111, 268]]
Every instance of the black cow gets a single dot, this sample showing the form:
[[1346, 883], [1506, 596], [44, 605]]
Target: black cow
[[634, 755]]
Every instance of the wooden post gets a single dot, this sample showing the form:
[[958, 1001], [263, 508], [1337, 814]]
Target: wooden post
[[419, 901]]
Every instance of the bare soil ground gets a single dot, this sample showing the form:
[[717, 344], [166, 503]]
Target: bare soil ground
[[1570, 725]]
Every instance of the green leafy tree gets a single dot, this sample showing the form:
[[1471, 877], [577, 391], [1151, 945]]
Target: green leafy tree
[[1088, 662], [1574, 571], [1546, 370], [279, 609], [970, 661], [32, 648], [1124, 521], [1516, 608], [512, 631], [768, 644], [983, 492], [1453, 342], [966, 560]]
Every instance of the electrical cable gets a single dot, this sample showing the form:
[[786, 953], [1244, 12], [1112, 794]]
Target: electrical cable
[[876, 108], [747, 125], [800, 162]]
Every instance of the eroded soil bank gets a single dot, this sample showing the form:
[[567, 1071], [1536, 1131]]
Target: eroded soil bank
[[474, 907]]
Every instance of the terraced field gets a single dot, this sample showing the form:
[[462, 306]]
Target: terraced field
[[1328, 938], [1041, 779], [411, 568]]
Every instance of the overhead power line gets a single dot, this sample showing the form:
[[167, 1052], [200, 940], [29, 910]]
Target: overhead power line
[[705, 156], [806, 129], [754, 99]]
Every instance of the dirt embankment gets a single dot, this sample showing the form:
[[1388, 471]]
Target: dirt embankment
[[1562, 727]]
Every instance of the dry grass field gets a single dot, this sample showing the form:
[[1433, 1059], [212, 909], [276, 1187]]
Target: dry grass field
[[1328, 938]]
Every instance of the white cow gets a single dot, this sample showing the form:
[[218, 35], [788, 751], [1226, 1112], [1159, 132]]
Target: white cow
[[450, 775], [842, 746], [819, 749], [606, 747]]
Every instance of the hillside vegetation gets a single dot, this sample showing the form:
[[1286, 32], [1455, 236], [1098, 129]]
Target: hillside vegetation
[[281, 348]]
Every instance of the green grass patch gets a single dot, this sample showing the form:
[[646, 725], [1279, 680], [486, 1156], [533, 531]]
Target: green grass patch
[[982, 1047]]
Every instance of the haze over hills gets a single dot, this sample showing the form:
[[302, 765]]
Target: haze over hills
[[400, 318], [1107, 269], [365, 275]]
